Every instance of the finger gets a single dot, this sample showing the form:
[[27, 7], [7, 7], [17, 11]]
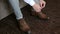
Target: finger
[[40, 4], [39, 10]]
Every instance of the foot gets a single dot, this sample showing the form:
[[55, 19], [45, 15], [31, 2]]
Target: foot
[[39, 14], [23, 25], [42, 15]]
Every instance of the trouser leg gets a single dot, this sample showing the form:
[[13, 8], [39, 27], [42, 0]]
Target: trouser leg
[[17, 11]]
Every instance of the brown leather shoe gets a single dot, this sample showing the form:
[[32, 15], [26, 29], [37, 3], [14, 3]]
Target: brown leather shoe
[[23, 25], [39, 14], [42, 15]]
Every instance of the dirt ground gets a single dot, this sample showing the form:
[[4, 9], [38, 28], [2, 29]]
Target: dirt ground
[[9, 25]]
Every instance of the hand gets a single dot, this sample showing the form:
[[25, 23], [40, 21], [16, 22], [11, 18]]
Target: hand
[[37, 7], [42, 3]]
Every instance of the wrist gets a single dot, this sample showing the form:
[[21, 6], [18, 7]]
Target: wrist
[[32, 4]]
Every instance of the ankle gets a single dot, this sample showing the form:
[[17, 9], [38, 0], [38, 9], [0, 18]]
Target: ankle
[[21, 19]]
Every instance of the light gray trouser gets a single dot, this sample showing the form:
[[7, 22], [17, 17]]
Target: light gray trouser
[[16, 7]]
